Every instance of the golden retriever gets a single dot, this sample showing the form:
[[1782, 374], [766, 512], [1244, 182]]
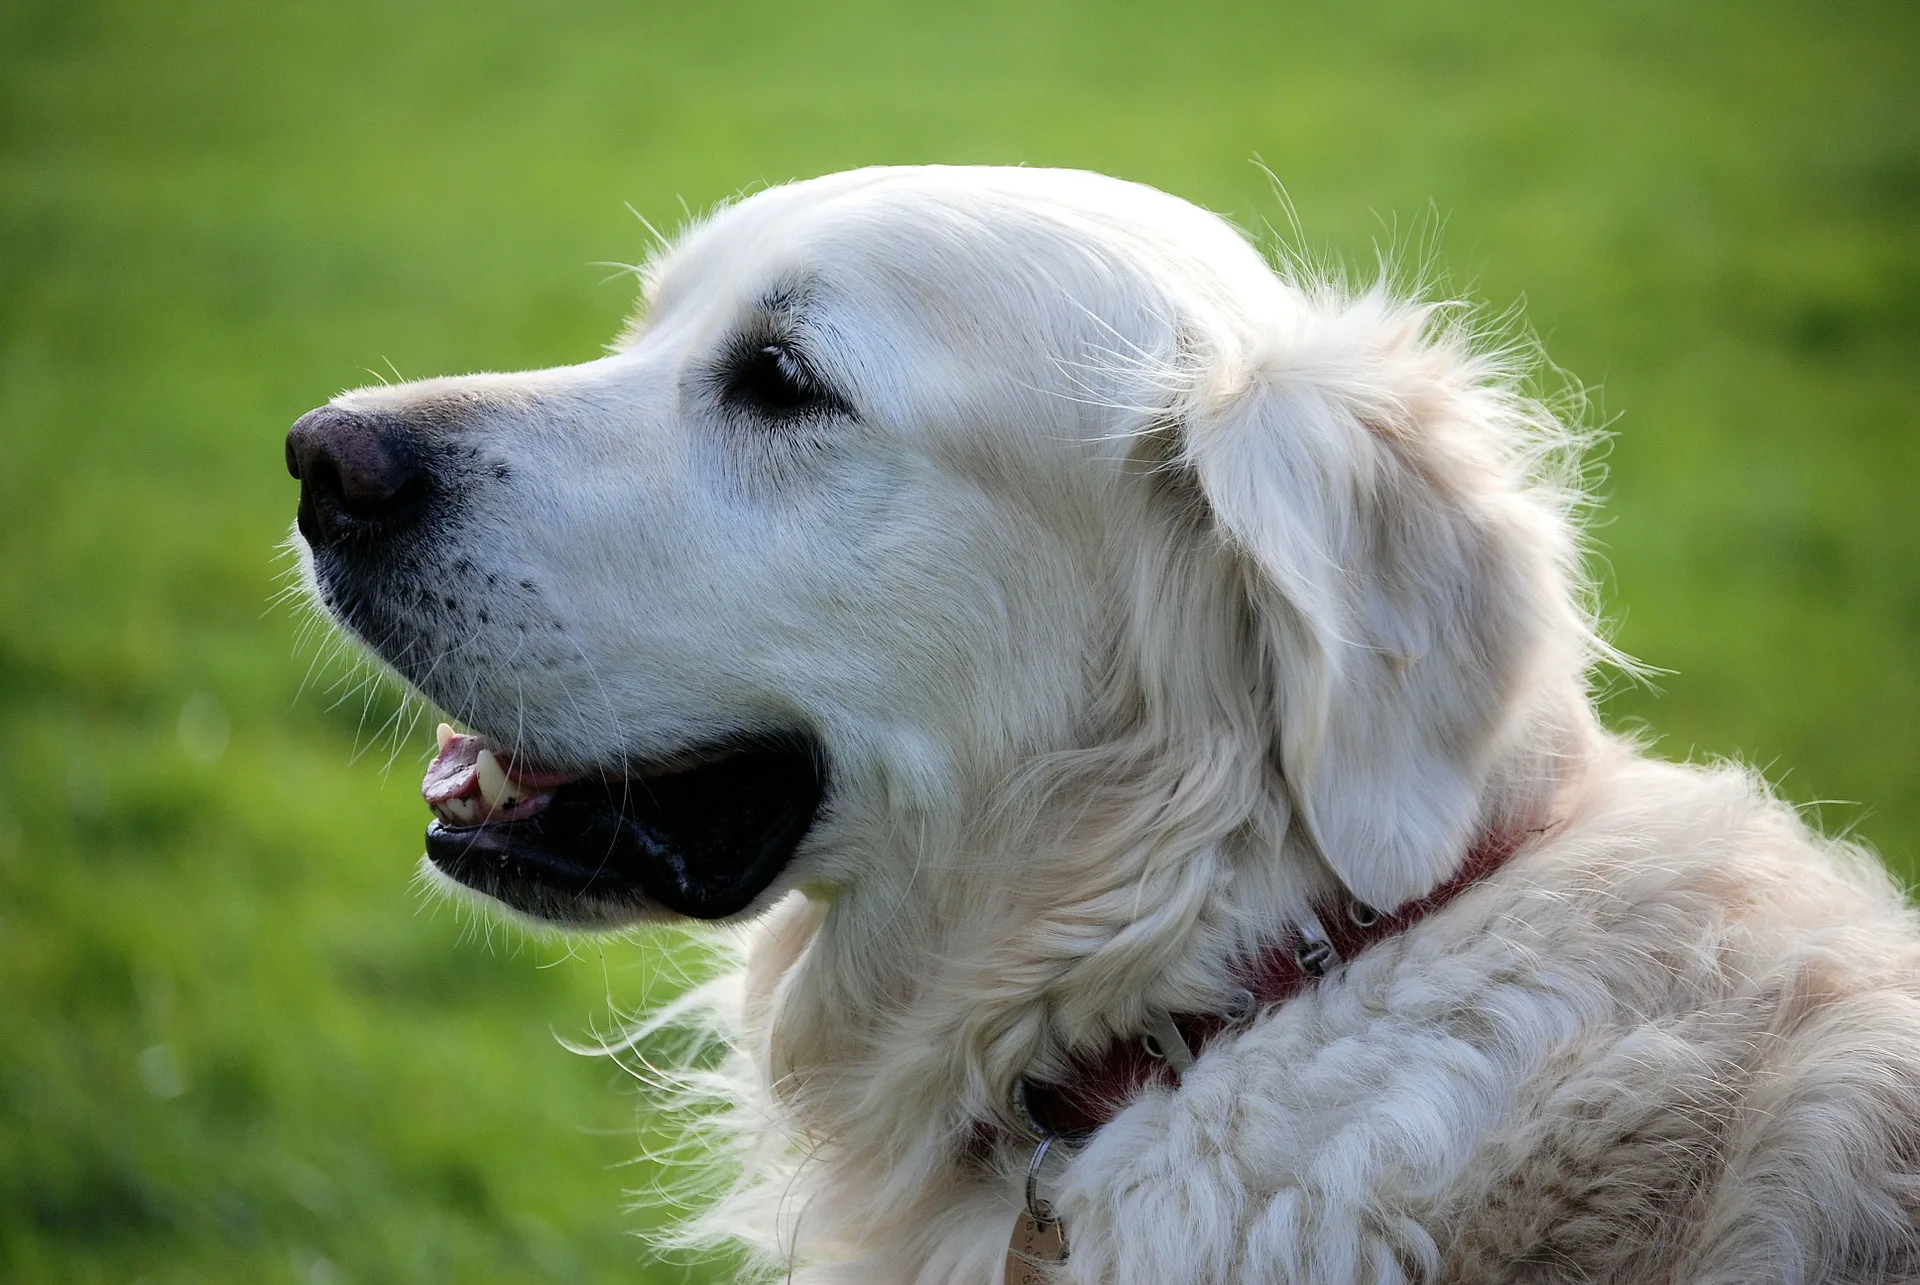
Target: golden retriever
[[1140, 699]]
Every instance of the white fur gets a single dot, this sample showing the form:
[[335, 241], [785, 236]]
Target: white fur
[[1152, 595]]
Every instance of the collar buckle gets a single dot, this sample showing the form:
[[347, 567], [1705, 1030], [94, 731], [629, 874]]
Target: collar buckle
[[1314, 953]]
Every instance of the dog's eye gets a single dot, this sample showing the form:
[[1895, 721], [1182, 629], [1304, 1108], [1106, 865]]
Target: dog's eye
[[771, 381]]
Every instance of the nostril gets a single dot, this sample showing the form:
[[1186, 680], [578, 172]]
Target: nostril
[[324, 477]]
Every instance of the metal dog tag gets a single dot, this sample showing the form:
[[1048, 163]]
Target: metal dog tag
[[1035, 1244]]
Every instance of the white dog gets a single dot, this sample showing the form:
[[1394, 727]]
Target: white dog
[[1142, 699]]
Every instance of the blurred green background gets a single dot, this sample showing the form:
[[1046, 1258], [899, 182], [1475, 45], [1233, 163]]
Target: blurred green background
[[235, 1043]]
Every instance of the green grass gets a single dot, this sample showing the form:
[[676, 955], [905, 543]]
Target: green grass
[[232, 1047]]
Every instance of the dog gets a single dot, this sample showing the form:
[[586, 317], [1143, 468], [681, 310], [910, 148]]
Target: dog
[[1140, 700]]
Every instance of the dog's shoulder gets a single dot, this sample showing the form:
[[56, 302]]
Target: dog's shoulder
[[1680, 1031]]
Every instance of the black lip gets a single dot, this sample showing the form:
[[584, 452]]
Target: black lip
[[704, 842]]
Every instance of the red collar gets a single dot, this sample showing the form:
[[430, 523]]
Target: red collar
[[1103, 1084]]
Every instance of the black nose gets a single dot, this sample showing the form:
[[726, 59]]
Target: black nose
[[360, 474]]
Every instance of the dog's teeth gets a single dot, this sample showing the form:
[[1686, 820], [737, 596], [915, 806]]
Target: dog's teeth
[[492, 777], [444, 734], [495, 788], [458, 811]]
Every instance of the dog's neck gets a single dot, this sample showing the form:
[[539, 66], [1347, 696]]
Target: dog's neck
[[1101, 1084], [892, 1020]]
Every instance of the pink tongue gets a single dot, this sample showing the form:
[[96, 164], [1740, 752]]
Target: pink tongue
[[454, 772]]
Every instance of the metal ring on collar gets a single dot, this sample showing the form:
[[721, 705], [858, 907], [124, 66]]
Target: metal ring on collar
[[1040, 1210]]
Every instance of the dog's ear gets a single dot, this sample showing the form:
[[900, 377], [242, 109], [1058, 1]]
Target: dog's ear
[[1402, 583]]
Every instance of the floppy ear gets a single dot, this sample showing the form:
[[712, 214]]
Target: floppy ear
[[1402, 583]]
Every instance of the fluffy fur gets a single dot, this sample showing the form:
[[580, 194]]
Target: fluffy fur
[[1144, 596]]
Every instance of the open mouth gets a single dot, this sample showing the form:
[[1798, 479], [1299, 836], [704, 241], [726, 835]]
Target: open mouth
[[702, 836]]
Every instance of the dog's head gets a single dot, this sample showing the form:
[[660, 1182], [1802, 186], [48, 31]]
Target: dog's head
[[907, 480]]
